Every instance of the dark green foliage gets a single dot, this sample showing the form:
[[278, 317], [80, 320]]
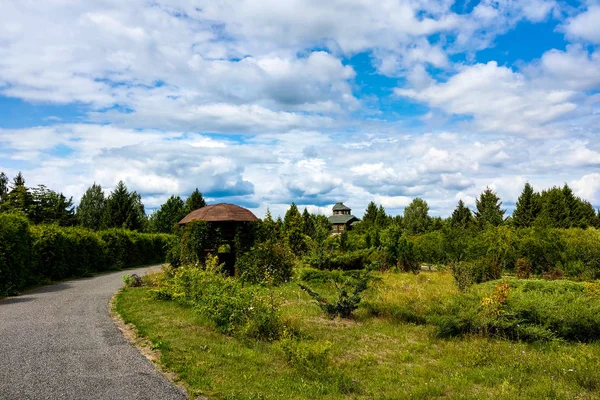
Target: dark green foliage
[[16, 266], [489, 209], [124, 209], [34, 254], [527, 208], [532, 311], [461, 216], [293, 231], [416, 218], [543, 248], [344, 261], [348, 297], [50, 207], [317, 276], [194, 201], [3, 188], [267, 263], [19, 199], [370, 215], [91, 208], [196, 240], [308, 223], [165, 219]]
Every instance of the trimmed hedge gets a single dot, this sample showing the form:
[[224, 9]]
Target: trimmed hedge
[[31, 255]]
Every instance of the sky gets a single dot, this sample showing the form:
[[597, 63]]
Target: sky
[[261, 103]]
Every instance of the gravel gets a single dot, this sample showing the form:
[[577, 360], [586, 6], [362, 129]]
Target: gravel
[[59, 342]]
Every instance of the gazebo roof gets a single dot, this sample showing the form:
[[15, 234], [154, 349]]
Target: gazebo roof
[[222, 212]]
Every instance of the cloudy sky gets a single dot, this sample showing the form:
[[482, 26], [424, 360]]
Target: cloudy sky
[[265, 102]]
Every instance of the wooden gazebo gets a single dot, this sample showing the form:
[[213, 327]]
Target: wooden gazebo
[[226, 218]]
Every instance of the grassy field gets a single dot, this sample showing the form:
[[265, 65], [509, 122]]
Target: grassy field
[[375, 355]]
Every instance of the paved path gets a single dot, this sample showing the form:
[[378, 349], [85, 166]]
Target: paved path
[[59, 342]]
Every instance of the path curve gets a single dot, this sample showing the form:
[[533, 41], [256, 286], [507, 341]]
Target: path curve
[[59, 342]]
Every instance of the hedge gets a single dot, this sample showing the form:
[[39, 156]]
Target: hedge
[[31, 255]]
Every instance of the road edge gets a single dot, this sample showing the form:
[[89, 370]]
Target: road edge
[[145, 347]]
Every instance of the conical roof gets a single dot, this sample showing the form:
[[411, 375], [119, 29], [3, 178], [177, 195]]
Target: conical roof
[[220, 213], [341, 207]]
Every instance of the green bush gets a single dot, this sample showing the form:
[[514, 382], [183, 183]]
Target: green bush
[[266, 263], [233, 308], [17, 269], [31, 255]]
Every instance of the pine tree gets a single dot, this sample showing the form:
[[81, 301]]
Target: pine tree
[[292, 218], [50, 207], [168, 215], [19, 198], [416, 218], [370, 214], [3, 188], [292, 228], [308, 224], [91, 208], [526, 209], [461, 216], [381, 220], [194, 201], [554, 209], [489, 209], [124, 209]]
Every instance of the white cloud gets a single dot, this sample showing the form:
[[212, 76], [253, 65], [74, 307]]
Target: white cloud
[[585, 25], [588, 187]]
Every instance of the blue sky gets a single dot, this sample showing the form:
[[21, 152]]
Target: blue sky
[[262, 103]]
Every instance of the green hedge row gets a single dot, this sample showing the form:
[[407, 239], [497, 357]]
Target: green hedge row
[[31, 255]]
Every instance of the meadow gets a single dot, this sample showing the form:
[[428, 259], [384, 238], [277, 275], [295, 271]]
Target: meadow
[[396, 345]]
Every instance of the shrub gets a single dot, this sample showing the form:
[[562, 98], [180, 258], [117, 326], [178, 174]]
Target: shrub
[[132, 280], [266, 263], [16, 249], [232, 308], [523, 268], [348, 298]]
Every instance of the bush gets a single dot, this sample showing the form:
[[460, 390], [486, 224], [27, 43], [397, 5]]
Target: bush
[[33, 254], [523, 268], [232, 308], [16, 248], [266, 263]]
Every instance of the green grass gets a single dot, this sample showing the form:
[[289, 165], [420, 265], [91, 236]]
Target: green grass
[[368, 357]]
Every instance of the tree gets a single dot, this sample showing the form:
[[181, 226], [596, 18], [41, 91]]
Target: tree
[[526, 209], [292, 218], [50, 207], [168, 215], [91, 208], [3, 188], [292, 228], [19, 198], [489, 209], [554, 209], [194, 201], [124, 209], [416, 217], [461, 216], [381, 220], [371, 214], [308, 224]]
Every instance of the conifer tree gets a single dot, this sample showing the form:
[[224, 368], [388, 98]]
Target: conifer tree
[[526, 209], [381, 220], [19, 198], [489, 209], [124, 209], [308, 224], [50, 207], [194, 201], [3, 188], [371, 213], [91, 208], [461, 216]]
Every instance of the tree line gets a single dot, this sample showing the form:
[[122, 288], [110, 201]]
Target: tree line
[[96, 211]]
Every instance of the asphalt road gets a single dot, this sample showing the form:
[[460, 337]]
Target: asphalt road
[[59, 342]]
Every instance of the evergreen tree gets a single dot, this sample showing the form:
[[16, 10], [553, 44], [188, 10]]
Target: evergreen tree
[[370, 214], [269, 229], [416, 218], [489, 209], [194, 201], [292, 218], [573, 207], [308, 224], [526, 209], [124, 209], [168, 215], [292, 228], [91, 208], [554, 209], [381, 220], [19, 198], [3, 188], [461, 216]]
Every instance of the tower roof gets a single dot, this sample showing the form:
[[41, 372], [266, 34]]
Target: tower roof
[[341, 207]]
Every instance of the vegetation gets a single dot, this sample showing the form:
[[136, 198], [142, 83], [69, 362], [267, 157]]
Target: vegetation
[[393, 347], [34, 254]]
